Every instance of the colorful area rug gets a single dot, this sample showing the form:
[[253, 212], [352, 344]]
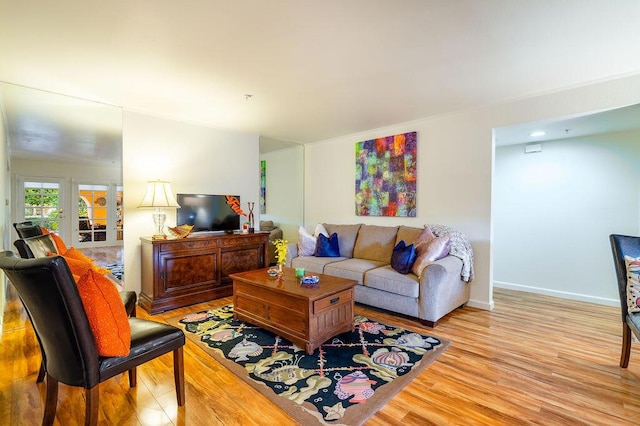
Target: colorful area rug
[[345, 381]]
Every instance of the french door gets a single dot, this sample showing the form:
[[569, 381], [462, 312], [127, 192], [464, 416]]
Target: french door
[[99, 214], [41, 201], [95, 214]]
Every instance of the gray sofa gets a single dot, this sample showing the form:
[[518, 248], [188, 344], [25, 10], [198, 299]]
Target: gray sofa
[[365, 256]]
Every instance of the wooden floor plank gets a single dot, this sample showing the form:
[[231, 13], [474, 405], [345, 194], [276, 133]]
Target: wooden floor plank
[[533, 360]]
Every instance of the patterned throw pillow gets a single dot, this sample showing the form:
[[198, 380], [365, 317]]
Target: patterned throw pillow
[[633, 283], [403, 257], [106, 313]]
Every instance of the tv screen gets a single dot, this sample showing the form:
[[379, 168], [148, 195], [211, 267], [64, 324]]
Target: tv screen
[[207, 212]]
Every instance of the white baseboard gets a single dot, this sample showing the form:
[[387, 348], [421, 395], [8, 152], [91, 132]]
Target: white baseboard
[[557, 293], [481, 305]]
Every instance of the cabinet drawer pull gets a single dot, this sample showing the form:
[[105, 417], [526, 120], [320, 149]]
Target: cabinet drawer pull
[[334, 300]]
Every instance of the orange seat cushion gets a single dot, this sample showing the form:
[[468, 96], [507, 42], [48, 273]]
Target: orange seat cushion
[[107, 316]]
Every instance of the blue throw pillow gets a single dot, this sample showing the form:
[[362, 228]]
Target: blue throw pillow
[[403, 257], [327, 246]]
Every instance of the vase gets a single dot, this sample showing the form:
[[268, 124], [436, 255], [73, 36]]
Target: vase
[[279, 269], [251, 224]]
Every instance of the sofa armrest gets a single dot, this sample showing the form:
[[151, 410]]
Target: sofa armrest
[[442, 288], [292, 252]]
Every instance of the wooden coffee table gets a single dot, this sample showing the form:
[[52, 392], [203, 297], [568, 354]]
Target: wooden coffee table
[[306, 316]]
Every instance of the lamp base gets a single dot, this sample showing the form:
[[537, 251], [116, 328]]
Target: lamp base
[[158, 218]]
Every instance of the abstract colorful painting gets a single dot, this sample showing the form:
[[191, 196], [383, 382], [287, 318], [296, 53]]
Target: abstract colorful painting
[[263, 186], [386, 176]]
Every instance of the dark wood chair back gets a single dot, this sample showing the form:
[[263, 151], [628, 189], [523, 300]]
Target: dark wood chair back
[[27, 229], [50, 295]]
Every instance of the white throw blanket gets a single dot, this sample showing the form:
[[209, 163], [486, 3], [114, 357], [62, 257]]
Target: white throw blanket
[[460, 247]]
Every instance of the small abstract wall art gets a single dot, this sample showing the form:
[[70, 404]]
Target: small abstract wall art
[[386, 176], [263, 186]]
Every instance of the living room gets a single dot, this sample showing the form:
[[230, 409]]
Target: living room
[[455, 162]]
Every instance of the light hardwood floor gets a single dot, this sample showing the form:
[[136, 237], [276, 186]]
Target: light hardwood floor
[[532, 360]]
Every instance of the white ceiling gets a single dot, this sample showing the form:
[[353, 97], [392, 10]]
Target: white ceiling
[[316, 70], [615, 120]]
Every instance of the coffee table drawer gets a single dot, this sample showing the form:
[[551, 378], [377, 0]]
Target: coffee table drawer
[[332, 300]]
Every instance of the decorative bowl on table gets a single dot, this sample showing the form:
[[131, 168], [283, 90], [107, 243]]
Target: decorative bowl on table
[[272, 272], [181, 231], [310, 279]]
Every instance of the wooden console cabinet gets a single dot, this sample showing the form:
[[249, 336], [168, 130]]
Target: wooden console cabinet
[[195, 269]]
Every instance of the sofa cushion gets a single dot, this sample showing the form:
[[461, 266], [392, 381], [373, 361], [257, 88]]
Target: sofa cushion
[[327, 247], [347, 235], [387, 279], [375, 243], [352, 269], [408, 234], [314, 264], [403, 257]]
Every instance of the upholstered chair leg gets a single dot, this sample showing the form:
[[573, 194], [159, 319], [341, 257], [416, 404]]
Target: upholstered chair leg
[[51, 401], [626, 345], [41, 373], [178, 373], [133, 378], [92, 396]]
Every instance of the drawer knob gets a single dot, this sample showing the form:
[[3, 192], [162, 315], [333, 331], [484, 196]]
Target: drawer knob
[[334, 300]]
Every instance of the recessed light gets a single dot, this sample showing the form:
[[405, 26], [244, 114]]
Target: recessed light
[[537, 134]]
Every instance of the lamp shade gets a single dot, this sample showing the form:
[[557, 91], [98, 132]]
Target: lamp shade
[[159, 195]]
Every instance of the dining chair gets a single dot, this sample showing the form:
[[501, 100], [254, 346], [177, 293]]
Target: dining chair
[[621, 246], [70, 355], [39, 246], [27, 229]]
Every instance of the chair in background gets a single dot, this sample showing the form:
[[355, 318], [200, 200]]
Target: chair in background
[[27, 229], [621, 246], [50, 295]]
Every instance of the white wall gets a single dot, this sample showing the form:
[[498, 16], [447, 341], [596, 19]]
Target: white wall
[[285, 189], [455, 166], [193, 158], [554, 210]]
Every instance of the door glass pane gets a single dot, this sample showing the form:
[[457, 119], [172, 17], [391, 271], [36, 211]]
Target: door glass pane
[[42, 204], [92, 213]]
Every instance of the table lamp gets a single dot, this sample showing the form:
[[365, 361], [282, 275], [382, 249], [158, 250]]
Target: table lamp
[[158, 196]]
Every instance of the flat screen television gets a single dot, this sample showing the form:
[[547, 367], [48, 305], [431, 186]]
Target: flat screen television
[[207, 212]]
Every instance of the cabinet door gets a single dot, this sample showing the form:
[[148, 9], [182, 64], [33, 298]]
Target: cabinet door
[[240, 259], [186, 272]]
